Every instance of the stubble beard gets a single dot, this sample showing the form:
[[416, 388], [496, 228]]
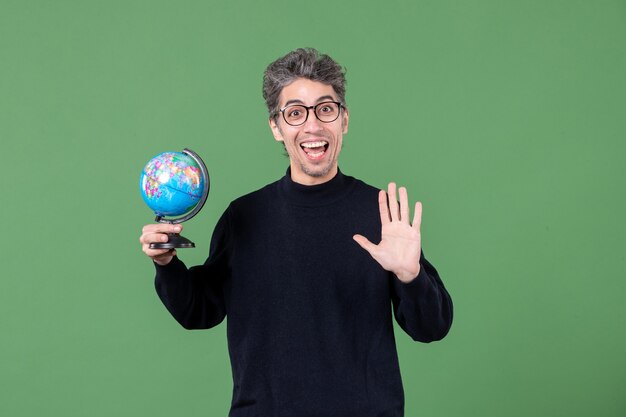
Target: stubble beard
[[317, 173]]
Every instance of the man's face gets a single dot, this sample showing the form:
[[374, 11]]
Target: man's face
[[314, 146]]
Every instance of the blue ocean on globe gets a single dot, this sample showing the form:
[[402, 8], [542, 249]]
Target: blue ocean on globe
[[171, 184]]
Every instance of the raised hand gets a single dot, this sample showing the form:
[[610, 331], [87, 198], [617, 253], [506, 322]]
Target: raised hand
[[400, 246]]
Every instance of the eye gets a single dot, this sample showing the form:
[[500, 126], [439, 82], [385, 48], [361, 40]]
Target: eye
[[327, 109], [294, 113]]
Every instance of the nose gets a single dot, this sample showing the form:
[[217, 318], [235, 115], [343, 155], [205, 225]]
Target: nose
[[312, 123]]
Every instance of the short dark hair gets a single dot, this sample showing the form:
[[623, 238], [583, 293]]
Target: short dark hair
[[301, 63]]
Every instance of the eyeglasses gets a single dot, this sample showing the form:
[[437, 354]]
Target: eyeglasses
[[297, 114]]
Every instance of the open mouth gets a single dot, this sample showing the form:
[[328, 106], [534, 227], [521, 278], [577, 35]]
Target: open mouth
[[314, 150]]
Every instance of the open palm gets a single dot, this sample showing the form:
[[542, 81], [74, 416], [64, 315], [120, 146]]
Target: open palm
[[400, 246]]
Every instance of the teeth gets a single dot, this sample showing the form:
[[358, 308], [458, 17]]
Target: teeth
[[314, 144]]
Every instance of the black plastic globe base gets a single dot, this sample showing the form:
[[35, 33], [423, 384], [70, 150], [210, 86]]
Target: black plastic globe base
[[174, 241]]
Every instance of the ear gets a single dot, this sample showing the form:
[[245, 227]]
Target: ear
[[344, 120], [278, 136]]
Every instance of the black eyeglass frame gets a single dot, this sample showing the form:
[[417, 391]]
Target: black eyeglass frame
[[308, 108]]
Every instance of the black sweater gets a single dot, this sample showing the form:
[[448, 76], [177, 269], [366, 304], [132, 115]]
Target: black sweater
[[309, 330]]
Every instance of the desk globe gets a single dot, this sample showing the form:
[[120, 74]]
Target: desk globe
[[175, 184]]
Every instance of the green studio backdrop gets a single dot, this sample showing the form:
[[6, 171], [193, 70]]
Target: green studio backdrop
[[505, 118]]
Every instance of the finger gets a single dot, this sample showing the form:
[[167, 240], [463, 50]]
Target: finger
[[404, 205], [158, 232], [165, 253], [156, 253], [162, 228], [417, 217], [148, 238], [383, 208], [365, 243], [393, 202]]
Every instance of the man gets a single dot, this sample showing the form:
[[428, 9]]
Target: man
[[307, 294]]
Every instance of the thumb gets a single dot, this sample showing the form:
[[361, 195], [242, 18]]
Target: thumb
[[364, 243]]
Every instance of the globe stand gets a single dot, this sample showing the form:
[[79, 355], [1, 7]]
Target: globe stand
[[175, 240]]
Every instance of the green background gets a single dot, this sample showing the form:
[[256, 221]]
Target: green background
[[506, 118]]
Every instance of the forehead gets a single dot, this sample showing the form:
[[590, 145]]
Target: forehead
[[306, 91]]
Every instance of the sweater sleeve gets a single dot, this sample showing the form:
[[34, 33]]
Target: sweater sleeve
[[423, 307], [194, 296]]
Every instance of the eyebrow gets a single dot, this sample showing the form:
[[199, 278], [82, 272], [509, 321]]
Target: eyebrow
[[298, 101]]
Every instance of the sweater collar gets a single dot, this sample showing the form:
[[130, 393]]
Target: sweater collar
[[315, 195]]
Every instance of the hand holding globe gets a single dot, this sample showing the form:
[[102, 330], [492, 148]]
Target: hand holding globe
[[172, 184], [158, 232]]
